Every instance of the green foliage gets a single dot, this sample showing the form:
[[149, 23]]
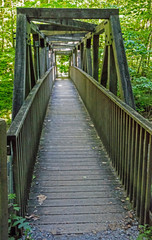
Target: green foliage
[[145, 232], [142, 89], [16, 222], [6, 83], [62, 64]]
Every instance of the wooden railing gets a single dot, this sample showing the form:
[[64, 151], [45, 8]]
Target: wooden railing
[[3, 183], [24, 135], [127, 137]]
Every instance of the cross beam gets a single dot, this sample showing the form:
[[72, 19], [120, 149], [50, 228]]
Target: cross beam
[[67, 13], [70, 23], [58, 27]]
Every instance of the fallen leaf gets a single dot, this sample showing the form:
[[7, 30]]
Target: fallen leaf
[[41, 198], [32, 216], [130, 215]]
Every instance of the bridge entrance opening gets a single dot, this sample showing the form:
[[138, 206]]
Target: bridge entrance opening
[[62, 65]]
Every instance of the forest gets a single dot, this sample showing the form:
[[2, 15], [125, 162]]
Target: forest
[[136, 24]]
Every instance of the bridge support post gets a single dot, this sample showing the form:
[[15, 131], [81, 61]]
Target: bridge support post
[[3, 183], [104, 67], [20, 64], [42, 56], [84, 57], [81, 51], [95, 56], [76, 57], [112, 75], [88, 57], [121, 62], [36, 54], [79, 57]]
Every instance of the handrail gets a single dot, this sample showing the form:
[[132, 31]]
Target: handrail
[[24, 133], [130, 111], [3, 183], [127, 137], [21, 116]]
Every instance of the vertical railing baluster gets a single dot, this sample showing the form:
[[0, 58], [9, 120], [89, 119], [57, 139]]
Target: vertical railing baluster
[[128, 157], [123, 147], [144, 177], [132, 159], [148, 196], [137, 134], [121, 141], [139, 176]]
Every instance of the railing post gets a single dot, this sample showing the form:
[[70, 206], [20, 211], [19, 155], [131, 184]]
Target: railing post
[[3, 183]]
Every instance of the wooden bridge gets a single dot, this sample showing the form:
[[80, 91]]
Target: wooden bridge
[[75, 189]]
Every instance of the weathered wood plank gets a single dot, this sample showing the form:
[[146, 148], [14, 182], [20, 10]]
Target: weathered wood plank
[[89, 57], [35, 30], [65, 40], [100, 28], [81, 51], [104, 68], [71, 36], [77, 210], [70, 23], [112, 74], [64, 47], [61, 32], [56, 27], [60, 44], [36, 44], [95, 56], [79, 218], [63, 53], [3, 183], [121, 62], [77, 202], [67, 13], [20, 64]]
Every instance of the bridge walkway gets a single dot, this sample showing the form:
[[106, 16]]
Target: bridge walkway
[[74, 190]]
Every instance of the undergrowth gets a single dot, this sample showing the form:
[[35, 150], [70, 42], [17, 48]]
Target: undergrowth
[[17, 225]]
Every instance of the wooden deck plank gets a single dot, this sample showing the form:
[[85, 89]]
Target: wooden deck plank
[[73, 172], [69, 210]]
